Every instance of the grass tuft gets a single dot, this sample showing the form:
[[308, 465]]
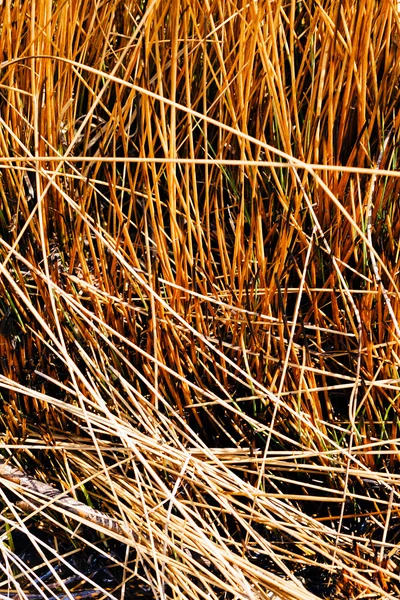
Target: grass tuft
[[199, 303]]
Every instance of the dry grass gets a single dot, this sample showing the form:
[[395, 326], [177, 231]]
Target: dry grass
[[199, 244]]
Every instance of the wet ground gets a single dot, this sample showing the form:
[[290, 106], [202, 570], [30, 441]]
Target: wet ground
[[82, 572]]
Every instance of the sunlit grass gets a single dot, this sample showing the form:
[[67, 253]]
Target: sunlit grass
[[198, 296]]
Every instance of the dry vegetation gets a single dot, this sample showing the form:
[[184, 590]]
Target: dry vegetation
[[199, 336]]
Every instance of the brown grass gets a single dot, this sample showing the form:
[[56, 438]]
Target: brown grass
[[199, 306]]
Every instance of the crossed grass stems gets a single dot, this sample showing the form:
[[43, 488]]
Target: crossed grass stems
[[199, 337]]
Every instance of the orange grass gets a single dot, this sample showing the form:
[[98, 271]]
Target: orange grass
[[199, 305]]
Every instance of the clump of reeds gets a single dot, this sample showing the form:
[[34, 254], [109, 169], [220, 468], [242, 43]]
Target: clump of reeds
[[199, 332]]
